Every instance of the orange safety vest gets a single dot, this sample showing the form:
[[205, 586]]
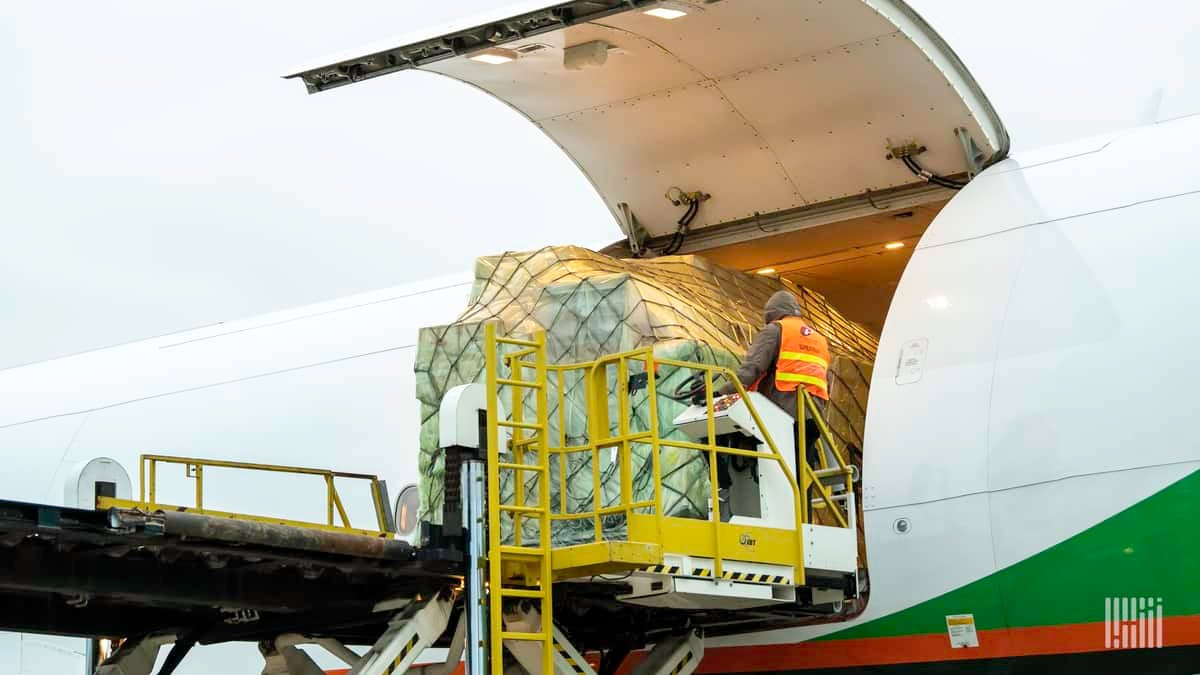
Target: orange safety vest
[[803, 358]]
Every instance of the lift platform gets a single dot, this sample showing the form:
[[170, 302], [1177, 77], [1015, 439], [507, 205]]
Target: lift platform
[[530, 586], [639, 565]]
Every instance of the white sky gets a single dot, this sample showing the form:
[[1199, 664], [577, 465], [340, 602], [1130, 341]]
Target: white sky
[[158, 174]]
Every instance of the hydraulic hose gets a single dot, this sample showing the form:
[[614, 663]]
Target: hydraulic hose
[[929, 176]]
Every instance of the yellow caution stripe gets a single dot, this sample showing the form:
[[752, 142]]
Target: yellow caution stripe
[[403, 653], [687, 658], [756, 578], [704, 573], [570, 661]]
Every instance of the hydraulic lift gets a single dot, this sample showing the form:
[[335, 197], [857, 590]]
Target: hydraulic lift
[[778, 548]]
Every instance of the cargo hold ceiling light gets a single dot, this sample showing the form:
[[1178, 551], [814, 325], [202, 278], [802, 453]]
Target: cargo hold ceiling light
[[667, 10], [893, 245], [666, 13], [766, 270], [494, 56]]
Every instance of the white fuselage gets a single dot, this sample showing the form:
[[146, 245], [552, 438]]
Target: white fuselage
[[1051, 310]]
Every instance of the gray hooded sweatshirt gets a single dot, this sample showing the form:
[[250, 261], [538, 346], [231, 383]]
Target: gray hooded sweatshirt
[[764, 352]]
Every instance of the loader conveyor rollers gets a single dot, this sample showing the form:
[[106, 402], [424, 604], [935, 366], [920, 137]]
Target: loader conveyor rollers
[[122, 572]]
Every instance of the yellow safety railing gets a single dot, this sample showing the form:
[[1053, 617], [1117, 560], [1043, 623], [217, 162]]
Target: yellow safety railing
[[148, 474], [599, 433], [644, 514], [843, 471]]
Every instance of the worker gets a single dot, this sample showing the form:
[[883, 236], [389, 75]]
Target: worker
[[785, 355]]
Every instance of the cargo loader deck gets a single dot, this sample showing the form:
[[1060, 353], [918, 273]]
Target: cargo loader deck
[[121, 572]]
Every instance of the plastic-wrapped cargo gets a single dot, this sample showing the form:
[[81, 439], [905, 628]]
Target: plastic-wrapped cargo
[[590, 305]]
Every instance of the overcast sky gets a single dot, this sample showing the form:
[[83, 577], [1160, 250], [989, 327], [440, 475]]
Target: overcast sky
[[157, 174]]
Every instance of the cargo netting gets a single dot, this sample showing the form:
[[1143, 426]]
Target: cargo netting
[[591, 305]]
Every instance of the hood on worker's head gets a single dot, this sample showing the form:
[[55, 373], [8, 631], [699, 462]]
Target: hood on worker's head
[[782, 304]]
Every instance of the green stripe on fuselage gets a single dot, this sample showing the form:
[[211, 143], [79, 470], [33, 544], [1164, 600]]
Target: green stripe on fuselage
[[1148, 550]]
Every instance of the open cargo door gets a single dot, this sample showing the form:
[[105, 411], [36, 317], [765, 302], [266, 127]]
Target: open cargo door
[[775, 108]]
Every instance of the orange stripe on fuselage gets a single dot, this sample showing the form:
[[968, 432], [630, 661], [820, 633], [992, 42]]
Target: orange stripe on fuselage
[[1076, 638], [998, 643], [460, 670]]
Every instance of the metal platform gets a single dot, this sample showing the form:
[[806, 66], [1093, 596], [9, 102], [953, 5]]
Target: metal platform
[[122, 572]]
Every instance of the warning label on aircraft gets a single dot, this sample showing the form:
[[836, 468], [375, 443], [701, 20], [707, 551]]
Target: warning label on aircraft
[[912, 361], [962, 630]]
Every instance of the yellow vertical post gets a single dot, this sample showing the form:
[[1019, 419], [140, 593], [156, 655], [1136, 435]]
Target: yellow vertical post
[[712, 472], [543, 451], [802, 478], [623, 448], [152, 479], [598, 405], [495, 617], [561, 398], [597, 400], [655, 447], [142, 478], [597, 502], [802, 458], [329, 498], [199, 486]]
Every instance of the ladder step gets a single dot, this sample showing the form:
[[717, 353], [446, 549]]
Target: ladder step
[[526, 441], [522, 551], [520, 467], [522, 593], [513, 508], [513, 635], [532, 426], [504, 381]]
